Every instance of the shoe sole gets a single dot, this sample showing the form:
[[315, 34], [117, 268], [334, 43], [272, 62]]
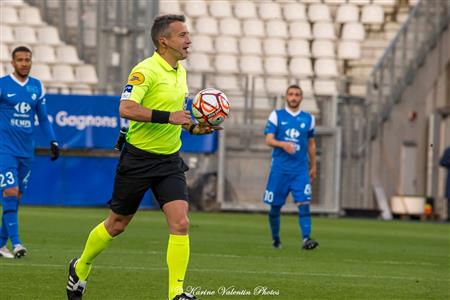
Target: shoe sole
[[20, 253]]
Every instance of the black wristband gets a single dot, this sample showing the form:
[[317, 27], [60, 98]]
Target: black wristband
[[191, 128], [160, 116]]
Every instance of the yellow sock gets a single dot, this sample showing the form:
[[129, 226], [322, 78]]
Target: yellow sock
[[98, 240], [177, 262]]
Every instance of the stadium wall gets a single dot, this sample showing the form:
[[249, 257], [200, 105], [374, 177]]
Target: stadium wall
[[408, 124]]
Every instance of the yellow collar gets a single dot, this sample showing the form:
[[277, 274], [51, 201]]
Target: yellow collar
[[163, 62]]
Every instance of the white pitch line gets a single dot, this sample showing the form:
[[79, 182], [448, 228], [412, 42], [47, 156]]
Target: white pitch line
[[240, 272]]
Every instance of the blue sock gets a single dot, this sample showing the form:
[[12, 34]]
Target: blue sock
[[10, 220], [304, 220], [274, 221], [3, 234]]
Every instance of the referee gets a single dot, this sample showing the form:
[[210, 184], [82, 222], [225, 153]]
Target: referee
[[153, 100]]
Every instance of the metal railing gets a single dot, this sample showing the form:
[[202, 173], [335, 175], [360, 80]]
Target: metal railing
[[405, 54]]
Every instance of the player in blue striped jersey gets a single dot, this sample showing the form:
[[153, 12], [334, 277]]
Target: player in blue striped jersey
[[290, 131], [21, 98]]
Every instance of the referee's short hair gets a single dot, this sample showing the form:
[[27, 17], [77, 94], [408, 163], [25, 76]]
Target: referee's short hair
[[161, 24], [20, 49]]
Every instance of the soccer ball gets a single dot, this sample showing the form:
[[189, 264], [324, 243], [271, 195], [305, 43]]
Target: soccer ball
[[210, 107]]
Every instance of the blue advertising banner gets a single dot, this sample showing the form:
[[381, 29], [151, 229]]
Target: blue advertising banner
[[83, 121]]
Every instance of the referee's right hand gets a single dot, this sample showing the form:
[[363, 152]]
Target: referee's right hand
[[182, 117]]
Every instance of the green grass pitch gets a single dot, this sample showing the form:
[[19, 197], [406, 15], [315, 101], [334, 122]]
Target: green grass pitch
[[357, 259]]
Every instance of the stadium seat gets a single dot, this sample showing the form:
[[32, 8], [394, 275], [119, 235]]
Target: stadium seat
[[68, 55], [226, 44], [228, 83], [349, 50], [297, 48], [9, 15], [325, 87], [44, 54], [253, 27], [250, 45], [63, 74], [5, 55], [334, 2], [41, 72], [202, 44], [276, 28], [251, 64], [301, 67], [306, 86], [48, 35], [167, 7], [220, 9], [13, 3], [347, 13], [309, 104], [353, 32], [199, 62], [294, 12], [325, 67], [274, 47], [206, 25], [275, 65], [7, 34], [311, 1], [197, 8], [324, 30], [276, 85], [57, 88], [81, 89], [360, 2], [30, 16], [25, 35], [245, 10], [195, 81], [269, 11], [225, 63], [300, 29], [372, 15], [86, 74], [319, 13], [230, 26], [323, 49]]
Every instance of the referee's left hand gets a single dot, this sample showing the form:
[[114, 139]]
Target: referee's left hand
[[54, 148], [205, 129]]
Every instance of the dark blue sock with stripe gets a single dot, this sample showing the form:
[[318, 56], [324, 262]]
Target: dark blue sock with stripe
[[274, 221], [304, 220], [10, 219]]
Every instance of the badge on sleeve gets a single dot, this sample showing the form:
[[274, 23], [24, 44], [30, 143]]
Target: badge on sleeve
[[127, 92], [136, 78]]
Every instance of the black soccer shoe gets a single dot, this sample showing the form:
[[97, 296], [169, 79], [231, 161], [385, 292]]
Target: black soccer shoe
[[309, 244], [185, 296], [276, 243], [75, 287]]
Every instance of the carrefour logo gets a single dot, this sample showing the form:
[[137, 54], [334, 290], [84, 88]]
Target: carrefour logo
[[22, 107], [292, 133]]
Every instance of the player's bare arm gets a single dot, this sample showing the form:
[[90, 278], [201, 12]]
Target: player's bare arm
[[286, 146], [134, 111], [312, 158]]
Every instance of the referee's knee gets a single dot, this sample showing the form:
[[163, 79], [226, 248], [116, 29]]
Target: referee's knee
[[179, 226]]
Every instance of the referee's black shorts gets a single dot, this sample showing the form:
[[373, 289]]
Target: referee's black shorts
[[140, 170]]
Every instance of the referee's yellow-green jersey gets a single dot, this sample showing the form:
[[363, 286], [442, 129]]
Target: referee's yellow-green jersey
[[155, 84]]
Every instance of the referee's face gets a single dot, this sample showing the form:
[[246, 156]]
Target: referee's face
[[22, 63], [294, 97], [178, 40]]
